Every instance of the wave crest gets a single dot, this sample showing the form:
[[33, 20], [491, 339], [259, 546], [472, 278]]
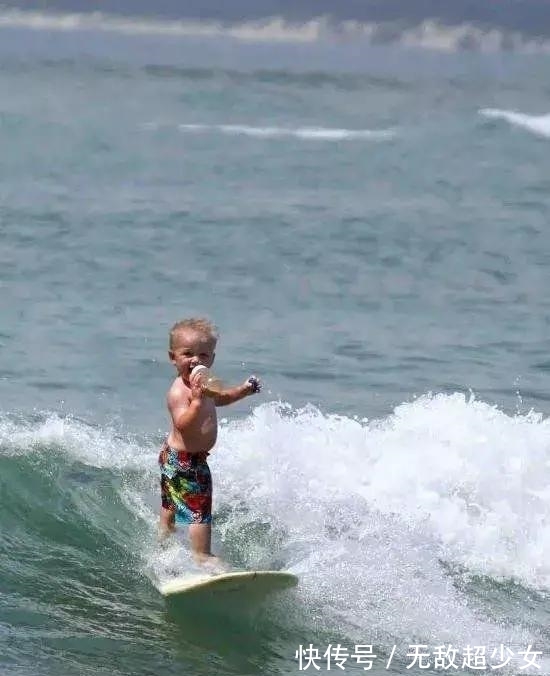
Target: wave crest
[[305, 133], [536, 124], [430, 33]]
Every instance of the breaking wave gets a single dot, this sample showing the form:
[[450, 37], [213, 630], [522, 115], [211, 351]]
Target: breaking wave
[[306, 133], [424, 510], [430, 33], [536, 124]]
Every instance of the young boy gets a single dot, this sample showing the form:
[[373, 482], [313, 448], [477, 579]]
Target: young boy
[[186, 484]]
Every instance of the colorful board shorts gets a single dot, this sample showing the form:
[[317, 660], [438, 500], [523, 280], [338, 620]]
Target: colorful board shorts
[[185, 485]]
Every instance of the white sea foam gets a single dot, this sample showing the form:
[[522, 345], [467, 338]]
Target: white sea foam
[[87, 444], [430, 33], [306, 133], [537, 124], [443, 478], [270, 30]]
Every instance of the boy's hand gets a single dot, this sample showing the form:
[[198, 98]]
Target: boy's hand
[[253, 384], [197, 389]]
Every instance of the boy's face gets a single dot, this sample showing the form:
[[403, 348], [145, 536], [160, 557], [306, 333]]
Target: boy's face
[[190, 349]]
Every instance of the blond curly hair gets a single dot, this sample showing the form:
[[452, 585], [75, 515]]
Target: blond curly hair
[[199, 324]]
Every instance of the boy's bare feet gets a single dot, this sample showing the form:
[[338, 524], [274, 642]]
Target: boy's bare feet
[[212, 564]]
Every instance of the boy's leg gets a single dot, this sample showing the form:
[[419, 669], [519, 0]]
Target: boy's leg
[[166, 522], [200, 536]]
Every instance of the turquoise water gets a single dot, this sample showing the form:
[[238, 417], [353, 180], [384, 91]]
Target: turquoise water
[[373, 242]]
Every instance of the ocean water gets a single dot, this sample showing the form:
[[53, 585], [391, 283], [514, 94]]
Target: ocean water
[[369, 230]]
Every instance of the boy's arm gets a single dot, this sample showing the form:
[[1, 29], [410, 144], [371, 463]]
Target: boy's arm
[[184, 411], [233, 394]]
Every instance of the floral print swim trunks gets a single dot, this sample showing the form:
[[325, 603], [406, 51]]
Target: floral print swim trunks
[[185, 485]]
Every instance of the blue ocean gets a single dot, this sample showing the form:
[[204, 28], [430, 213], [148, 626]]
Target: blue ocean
[[368, 226]]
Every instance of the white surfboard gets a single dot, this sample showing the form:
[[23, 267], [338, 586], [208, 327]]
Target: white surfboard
[[255, 583]]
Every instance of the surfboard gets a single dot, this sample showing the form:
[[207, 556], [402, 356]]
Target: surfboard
[[255, 583]]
